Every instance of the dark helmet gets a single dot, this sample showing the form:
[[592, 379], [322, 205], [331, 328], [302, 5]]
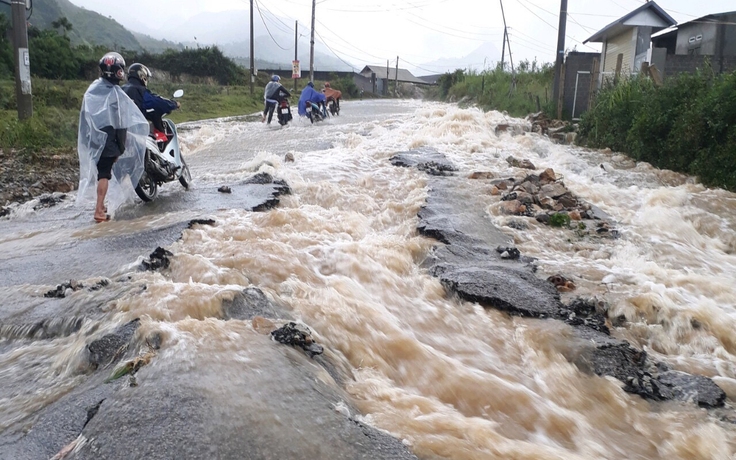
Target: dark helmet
[[112, 66], [275, 78], [310, 84], [140, 72]]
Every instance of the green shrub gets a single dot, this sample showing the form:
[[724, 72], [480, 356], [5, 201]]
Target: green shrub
[[347, 86], [688, 125], [559, 220], [492, 89]]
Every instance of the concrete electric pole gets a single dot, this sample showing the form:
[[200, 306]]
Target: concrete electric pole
[[396, 79], [296, 46], [252, 52], [508, 43], [22, 60], [560, 58], [311, 46]]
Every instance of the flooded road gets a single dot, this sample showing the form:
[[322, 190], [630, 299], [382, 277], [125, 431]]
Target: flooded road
[[342, 255]]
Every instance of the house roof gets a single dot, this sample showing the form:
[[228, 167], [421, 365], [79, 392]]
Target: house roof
[[716, 17], [431, 79], [709, 18], [404, 75], [629, 21]]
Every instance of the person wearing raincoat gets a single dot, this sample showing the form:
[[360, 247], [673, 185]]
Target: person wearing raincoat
[[111, 140], [272, 95], [332, 95], [311, 96]]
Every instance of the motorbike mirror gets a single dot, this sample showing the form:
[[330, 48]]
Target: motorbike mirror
[[179, 93]]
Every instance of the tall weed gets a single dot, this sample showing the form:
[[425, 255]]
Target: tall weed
[[688, 125]]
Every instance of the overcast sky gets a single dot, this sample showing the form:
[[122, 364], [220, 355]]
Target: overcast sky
[[418, 31]]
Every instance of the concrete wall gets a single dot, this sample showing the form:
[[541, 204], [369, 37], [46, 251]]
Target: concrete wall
[[727, 35], [575, 62], [364, 84], [706, 45], [677, 63]]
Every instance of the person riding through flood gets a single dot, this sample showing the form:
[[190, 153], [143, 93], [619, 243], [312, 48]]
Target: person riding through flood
[[272, 95], [151, 104], [332, 95], [314, 97]]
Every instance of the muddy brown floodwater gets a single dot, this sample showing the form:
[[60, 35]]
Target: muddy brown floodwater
[[444, 377]]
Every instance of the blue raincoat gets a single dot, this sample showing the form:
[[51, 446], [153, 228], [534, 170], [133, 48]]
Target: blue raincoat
[[311, 95]]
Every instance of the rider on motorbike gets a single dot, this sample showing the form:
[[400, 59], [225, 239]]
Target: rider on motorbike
[[332, 95], [151, 104], [314, 97], [272, 95]]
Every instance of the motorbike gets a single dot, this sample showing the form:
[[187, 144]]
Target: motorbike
[[284, 111], [163, 160], [334, 108], [316, 112]]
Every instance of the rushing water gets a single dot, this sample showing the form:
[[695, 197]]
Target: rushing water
[[450, 378]]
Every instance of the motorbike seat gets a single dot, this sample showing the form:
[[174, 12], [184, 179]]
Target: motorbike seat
[[160, 136]]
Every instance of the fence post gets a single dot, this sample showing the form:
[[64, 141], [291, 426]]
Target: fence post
[[619, 65], [561, 97], [594, 73], [656, 76]]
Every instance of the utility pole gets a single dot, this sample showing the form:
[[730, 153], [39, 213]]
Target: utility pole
[[508, 43], [311, 45], [503, 50], [560, 49], [396, 80], [22, 60], [252, 53], [296, 44], [385, 90]]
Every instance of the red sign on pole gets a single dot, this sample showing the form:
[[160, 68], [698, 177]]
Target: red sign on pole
[[296, 71]]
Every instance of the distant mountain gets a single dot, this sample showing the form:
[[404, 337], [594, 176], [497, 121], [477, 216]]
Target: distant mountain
[[274, 48], [89, 27], [487, 54], [229, 30]]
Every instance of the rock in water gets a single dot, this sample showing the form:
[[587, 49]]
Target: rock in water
[[158, 259], [297, 335]]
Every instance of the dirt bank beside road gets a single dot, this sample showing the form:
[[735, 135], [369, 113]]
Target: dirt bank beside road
[[24, 175]]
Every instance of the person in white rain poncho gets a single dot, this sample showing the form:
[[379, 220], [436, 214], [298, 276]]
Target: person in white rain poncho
[[111, 141]]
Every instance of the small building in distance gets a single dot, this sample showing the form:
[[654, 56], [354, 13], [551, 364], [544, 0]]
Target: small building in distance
[[684, 48], [379, 76], [630, 36]]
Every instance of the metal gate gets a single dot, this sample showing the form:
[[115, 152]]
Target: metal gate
[[582, 94]]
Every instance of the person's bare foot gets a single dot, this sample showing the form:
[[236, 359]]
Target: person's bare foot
[[102, 218]]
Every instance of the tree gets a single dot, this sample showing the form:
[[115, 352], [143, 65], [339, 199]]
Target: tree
[[53, 56], [62, 23], [7, 66]]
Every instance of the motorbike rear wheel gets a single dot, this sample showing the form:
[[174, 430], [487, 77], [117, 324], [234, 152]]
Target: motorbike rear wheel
[[147, 188], [186, 176]]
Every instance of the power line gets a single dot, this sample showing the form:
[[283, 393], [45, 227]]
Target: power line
[[576, 22], [537, 47], [267, 29], [456, 30], [346, 42], [336, 55], [530, 38], [553, 27]]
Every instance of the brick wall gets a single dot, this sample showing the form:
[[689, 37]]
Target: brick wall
[[680, 63], [575, 62]]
